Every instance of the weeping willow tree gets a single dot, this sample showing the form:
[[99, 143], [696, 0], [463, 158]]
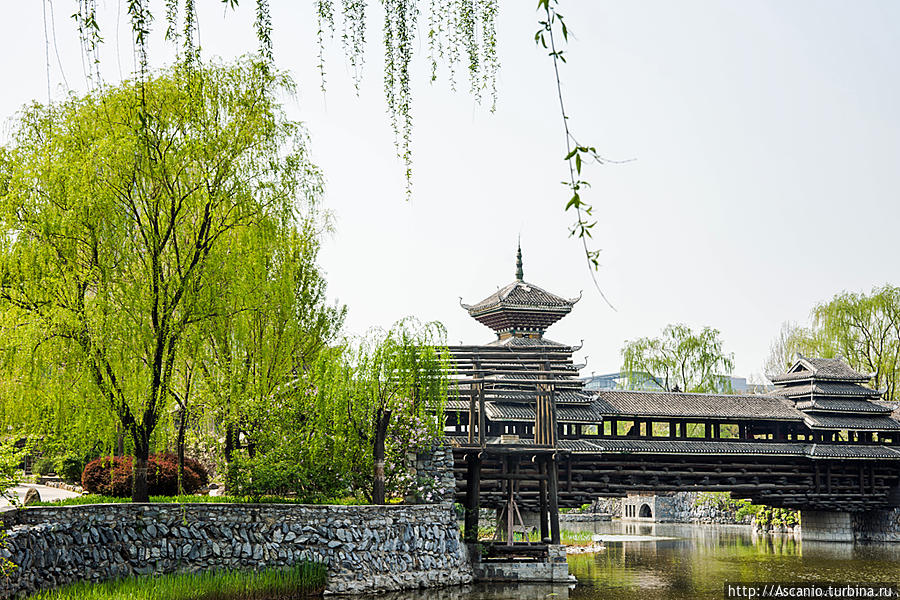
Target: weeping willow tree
[[117, 211], [460, 34], [383, 397]]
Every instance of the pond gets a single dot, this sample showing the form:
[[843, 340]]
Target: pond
[[690, 562]]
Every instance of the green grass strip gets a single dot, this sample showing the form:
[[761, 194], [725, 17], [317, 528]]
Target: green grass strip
[[98, 499], [304, 579]]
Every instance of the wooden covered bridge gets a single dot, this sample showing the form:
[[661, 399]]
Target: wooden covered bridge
[[527, 437]]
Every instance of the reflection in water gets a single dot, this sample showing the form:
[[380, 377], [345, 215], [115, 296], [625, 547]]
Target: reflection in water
[[693, 565], [702, 558], [493, 591]]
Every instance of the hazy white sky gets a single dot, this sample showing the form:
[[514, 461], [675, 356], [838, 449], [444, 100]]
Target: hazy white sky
[[766, 139]]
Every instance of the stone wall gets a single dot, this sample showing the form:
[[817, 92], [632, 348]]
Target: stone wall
[[436, 465], [874, 525], [366, 548], [826, 526]]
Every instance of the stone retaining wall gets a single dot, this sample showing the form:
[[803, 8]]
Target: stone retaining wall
[[876, 525], [366, 548]]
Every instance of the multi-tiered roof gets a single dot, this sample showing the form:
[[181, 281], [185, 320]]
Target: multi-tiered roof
[[520, 366], [521, 312], [832, 395]]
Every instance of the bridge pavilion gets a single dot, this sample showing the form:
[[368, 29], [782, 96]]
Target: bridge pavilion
[[528, 437]]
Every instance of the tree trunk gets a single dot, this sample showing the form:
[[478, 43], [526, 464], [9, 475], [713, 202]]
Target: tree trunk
[[179, 448], [120, 441], [381, 426], [140, 491], [229, 442]]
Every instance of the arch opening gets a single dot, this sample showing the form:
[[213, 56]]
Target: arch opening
[[645, 511]]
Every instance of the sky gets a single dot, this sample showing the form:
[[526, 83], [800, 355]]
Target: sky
[[760, 144]]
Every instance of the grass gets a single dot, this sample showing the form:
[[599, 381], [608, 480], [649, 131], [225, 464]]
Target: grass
[[98, 499], [304, 579]]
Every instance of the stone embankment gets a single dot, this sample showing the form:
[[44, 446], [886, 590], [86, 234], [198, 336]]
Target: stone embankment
[[366, 548], [877, 526]]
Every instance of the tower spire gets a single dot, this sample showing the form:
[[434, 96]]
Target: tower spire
[[519, 274]]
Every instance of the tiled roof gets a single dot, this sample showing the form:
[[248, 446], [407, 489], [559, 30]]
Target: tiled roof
[[748, 448], [851, 451], [580, 446], [820, 368], [457, 406], [525, 413], [520, 294], [679, 404], [707, 448], [691, 447], [827, 388], [842, 405], [524, 341], [562, 397], [854, 422]]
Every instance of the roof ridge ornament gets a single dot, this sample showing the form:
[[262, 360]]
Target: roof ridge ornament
[[519, 274]]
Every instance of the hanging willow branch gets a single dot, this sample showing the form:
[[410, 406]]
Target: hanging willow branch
[[455, 28], [576, 153]]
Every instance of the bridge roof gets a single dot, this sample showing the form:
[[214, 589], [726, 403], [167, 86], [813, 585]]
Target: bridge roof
[[843, 405], [747, 448], [806, 368], [854, 422], [525, 414], [828, 388], [707, 406]]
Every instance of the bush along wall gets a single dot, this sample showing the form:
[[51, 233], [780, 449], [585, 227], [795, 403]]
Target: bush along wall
[[111, 476], [365, 548]]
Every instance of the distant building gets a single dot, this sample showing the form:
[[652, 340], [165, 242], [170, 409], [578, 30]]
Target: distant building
[[644, 382]]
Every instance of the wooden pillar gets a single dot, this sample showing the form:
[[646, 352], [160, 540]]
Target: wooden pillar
[[553, 492], [545, 521], [707, 430], [673, 429], [717, 430], [473, 497], [613, 428]]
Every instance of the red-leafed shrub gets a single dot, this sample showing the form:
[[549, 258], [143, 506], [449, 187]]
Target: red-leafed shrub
[[111, 476], [162, 475], [108, 475]]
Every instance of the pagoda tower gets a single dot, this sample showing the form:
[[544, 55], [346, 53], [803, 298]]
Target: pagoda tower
[[834, 400], [520, 312]]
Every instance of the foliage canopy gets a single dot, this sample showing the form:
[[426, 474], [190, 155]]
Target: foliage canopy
[[679, 359]]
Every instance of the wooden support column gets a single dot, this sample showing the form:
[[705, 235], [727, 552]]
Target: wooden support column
[[707, 430], [553, 492], [473, 497], [673, 429], [717, 430], [545, 521]]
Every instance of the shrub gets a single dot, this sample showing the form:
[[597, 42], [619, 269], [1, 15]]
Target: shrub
[[42, 466], [70, 468], [108, 476], [111, 476]]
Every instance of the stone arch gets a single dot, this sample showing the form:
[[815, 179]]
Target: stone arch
[[645, 511]]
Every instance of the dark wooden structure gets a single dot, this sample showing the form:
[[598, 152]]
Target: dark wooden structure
[[525, 433], [520, 371]]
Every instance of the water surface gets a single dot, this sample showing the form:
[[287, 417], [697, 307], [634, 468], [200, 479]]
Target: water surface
[[691, 562]]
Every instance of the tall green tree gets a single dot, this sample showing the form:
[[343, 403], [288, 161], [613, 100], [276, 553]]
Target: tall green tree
[[679, 359], [863, 329], [385, 397], [269, 330], [114, 207]]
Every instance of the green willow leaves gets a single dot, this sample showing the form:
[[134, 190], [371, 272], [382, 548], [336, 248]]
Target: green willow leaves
[[119, 211], [679, 359]]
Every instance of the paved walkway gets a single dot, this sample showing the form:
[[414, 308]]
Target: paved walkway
[[47, 493]]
